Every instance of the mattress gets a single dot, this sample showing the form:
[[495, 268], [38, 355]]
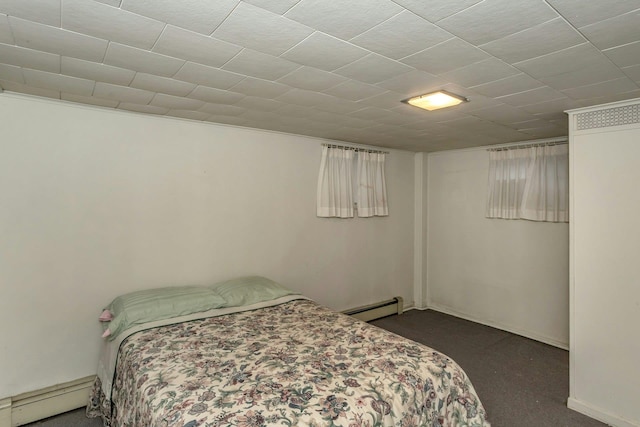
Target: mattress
[[288, 362]]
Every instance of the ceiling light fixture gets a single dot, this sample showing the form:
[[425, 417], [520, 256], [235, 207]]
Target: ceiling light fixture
[[435, 100]]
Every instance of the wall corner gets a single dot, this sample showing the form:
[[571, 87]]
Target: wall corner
[[419, 247]]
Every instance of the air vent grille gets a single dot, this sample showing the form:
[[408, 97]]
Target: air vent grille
[[618, 116]]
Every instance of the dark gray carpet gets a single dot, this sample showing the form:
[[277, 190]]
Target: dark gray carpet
[[521, 382]]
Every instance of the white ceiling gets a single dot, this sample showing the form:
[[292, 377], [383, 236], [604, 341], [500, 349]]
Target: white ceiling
[[332, 68]]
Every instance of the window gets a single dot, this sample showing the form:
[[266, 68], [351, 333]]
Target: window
[[530, 182], [340, 189]]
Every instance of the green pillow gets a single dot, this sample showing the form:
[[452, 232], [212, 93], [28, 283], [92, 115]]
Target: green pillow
[[250, 290], [149, 305]]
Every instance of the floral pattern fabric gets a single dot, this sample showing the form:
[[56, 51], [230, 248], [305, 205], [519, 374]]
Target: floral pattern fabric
[[294, 364]]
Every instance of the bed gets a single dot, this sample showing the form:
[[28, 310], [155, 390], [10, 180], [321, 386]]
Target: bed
[[281, 359]]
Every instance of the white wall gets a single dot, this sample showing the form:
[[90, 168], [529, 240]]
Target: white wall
[[605, 326], [98, 202], [513, 275]]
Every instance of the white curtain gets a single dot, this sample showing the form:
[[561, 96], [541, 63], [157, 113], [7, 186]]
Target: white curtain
[[335, 191], [529, 183], [372, 188]]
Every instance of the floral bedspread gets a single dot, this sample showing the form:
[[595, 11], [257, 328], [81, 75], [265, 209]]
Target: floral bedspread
[[294, 364]]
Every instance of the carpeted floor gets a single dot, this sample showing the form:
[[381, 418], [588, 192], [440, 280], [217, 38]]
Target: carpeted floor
[[521, 382]]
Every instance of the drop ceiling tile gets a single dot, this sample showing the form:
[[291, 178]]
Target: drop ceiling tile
[[556, 116], [260, 104], [43, 11], [507, 86], [175, 102], [476, 101], [260, 65], [414, 82], [353, 122], [449, 55], [370, 113], [95, 71], [581, 13], [531, 124], [533, 96], [420, 125], [397, 132], [228, 120], [293, 110], [5, 30], [311, 79], [502, 133], [29, 58], [471, 124], [322, 51], [216, 96], [58, 82], [567, 60], [194, 47], [331, 104], [258, 87], [625, 30], [626, 55], [202, 16], [435, 10], [494, 19], [633, 72], [114, 3], [261, 30], [106, 22], [503, 114], [188, 114], [420, 117], [536, 41], [56, 40], [275, 6], [141, 108], [610, 98], [373, 68], [11, 73], [91, 100], [354, 90], [611, 87], [343, 19], [302, 97], [480, 72], [395, 118], [547, 132], [222, 109], [207, 76], [386, 100], [154, 83], [401, 35], [602, 70], [559, 105], [141, 60], [29, 90], [262, 119], [122, 93]]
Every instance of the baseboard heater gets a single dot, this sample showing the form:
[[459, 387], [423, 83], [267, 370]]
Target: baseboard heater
[[378, 310], [36, 405]]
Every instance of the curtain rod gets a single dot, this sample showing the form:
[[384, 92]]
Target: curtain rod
[[356, 149], [522, 146]]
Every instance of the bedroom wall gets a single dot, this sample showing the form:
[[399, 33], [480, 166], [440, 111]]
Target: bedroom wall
[[98, 202], [605, 291], [513, 275]]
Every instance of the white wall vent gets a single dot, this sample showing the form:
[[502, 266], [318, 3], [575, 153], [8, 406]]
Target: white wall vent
[[617, 116]]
